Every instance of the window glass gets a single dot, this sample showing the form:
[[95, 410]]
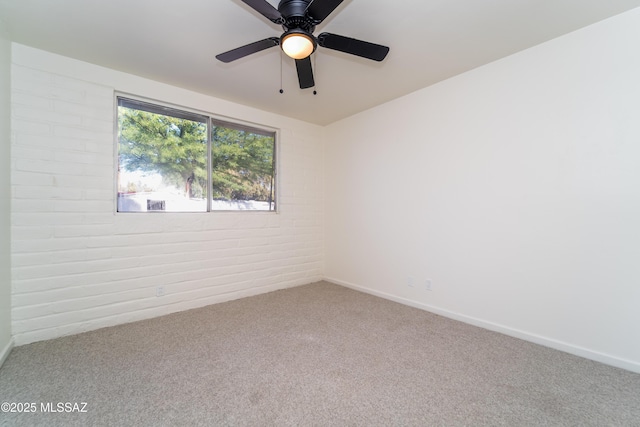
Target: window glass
[[242, 168], [177, 161], [162, 158]]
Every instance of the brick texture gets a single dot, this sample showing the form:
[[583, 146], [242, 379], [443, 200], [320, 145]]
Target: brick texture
[[77, 265]]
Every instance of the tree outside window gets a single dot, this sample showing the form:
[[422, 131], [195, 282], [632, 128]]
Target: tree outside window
[[163, 157]]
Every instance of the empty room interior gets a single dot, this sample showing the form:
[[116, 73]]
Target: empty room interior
[[429, 217]]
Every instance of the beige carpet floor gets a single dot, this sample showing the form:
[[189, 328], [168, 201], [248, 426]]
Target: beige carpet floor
[[315, 355]]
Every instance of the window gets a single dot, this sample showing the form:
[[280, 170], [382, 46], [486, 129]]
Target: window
[[177, 161]]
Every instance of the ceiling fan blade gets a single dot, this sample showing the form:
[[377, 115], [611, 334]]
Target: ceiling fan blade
[[305, 73], [242, 51], [318, 10], [361, 48], [266, 10]]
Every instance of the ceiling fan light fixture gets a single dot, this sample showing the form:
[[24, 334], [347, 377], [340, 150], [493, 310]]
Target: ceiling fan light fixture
[[298, 44], [299, 19]]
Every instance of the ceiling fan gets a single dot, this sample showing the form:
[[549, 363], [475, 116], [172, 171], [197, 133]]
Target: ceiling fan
[[299, 19]]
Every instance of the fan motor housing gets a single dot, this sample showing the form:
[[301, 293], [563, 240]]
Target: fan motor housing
[[294, 14]]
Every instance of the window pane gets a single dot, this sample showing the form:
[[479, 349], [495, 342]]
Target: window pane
[[162, 159], [242, 165]]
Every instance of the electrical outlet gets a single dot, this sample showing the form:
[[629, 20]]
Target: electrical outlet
[[410, 282], [160, 291], [427, 284]]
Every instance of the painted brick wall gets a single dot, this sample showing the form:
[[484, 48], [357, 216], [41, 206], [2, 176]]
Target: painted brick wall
[[77, 265], [6, 341]]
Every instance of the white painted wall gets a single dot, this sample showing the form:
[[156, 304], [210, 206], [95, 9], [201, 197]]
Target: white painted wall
[[5, 195], [78, 266], [513, 187]]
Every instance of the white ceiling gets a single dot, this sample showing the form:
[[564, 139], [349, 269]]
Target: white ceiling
[[176, 42]]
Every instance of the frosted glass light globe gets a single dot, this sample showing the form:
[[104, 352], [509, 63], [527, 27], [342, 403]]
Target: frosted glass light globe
[[297, 46]]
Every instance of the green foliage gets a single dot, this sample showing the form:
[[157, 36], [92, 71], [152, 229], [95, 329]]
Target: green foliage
[[242, 164], [175, 148], [242, 161]]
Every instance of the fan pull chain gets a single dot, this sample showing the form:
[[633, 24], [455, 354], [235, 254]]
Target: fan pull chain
[[316, 72], [281, 59]]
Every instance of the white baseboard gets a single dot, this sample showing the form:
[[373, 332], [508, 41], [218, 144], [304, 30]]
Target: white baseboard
[[5, 351], [537, 339]]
